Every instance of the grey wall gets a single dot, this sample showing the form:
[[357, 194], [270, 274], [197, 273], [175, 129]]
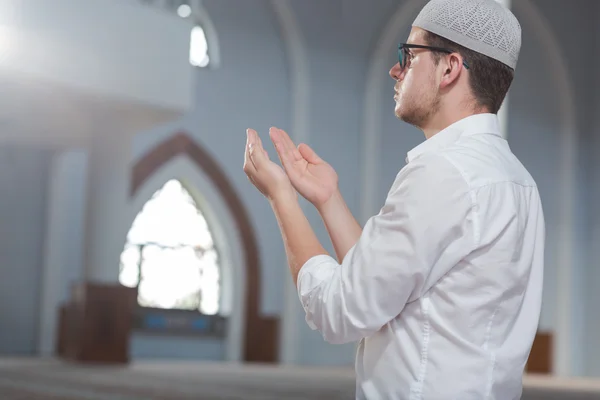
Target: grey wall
[[534, 135], [575, 45], [252, 89], [73, 171], [339, 36], [23, 179], [591, 150]]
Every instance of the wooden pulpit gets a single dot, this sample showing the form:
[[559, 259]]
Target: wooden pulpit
[[540, 357], [95, 325]]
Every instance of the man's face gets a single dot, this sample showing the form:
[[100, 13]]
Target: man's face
[[416, 90]]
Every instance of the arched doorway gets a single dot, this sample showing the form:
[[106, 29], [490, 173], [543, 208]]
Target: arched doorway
[[260, 333]]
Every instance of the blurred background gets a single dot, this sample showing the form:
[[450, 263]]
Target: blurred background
[[136, 259]]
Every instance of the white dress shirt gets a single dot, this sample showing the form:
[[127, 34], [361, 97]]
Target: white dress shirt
[[444, 287]]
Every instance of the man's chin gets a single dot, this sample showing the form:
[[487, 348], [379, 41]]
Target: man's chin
[[398, 111], [404, 115], [401, 115], [408, 118]]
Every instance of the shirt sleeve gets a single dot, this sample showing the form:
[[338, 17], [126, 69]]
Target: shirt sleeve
[[426, 226]]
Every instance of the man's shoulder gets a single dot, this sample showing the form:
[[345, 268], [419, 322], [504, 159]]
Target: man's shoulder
[[431, 170], [483, 162]]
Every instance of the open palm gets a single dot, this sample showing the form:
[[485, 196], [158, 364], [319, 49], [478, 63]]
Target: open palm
[[312, 177]]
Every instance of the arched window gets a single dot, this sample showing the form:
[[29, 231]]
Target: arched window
[[198, 47], [170, 254], [188, 9], [198, 44]]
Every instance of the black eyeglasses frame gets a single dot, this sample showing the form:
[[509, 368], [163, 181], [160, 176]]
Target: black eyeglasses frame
[[403, 54]]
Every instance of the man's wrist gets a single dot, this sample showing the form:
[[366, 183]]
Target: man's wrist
[[283, 198], [333, 203]]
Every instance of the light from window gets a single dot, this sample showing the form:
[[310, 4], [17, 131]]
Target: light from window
[[184, 11], [170, 254], [198, 48]]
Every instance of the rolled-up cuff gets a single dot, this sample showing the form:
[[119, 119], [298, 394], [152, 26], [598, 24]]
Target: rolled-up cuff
[[313, 273]]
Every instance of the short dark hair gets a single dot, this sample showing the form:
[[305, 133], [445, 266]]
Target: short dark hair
[[489, 78]]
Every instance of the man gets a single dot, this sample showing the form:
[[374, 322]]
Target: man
[[443, 287]]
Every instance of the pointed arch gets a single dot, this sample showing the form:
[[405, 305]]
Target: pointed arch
[[261, 333], [212, 39], [171, 226]]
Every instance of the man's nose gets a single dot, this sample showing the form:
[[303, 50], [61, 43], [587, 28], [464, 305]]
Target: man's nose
[[396, 73]]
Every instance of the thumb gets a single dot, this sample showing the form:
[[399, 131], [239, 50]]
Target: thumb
[[309, 154], [258, 156]]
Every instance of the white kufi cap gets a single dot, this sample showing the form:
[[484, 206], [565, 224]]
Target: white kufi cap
[[484, 26]]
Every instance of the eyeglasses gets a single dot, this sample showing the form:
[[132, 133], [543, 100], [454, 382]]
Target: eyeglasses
[[404, 56]]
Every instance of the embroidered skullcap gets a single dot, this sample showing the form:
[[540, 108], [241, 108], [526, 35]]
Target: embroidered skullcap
[[484, 26]]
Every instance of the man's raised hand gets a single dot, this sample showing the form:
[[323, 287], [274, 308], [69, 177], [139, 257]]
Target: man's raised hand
[[267, 176], [312, 177]]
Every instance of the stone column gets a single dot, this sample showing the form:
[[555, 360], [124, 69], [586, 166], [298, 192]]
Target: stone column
[[106, 223], [63, 241]]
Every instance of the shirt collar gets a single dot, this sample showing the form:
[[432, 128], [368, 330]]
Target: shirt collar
[[478, 123]]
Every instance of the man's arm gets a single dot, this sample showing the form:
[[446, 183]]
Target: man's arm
[[317, 181], [301, 243], [341, 225], [425, 228]]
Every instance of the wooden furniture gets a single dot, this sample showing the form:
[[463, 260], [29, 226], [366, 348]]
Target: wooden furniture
[[540, 357], [95, 325]]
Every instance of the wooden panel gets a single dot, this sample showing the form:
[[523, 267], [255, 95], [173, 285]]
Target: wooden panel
[[540, 358], [62, 331], [96, 324], [262, 342]]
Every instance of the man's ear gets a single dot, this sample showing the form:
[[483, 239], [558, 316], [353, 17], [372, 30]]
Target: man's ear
[[452, 67]]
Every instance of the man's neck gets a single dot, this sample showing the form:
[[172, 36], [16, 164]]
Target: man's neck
[[442, 120]]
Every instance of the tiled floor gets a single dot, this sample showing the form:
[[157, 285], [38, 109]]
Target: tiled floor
[[35, 379], [50, 380]]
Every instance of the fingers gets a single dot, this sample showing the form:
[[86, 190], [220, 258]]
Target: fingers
[[257, 140], [291, 159], [256, 153], [249, 167], [309, 154], [283, 151], [286, 143]]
